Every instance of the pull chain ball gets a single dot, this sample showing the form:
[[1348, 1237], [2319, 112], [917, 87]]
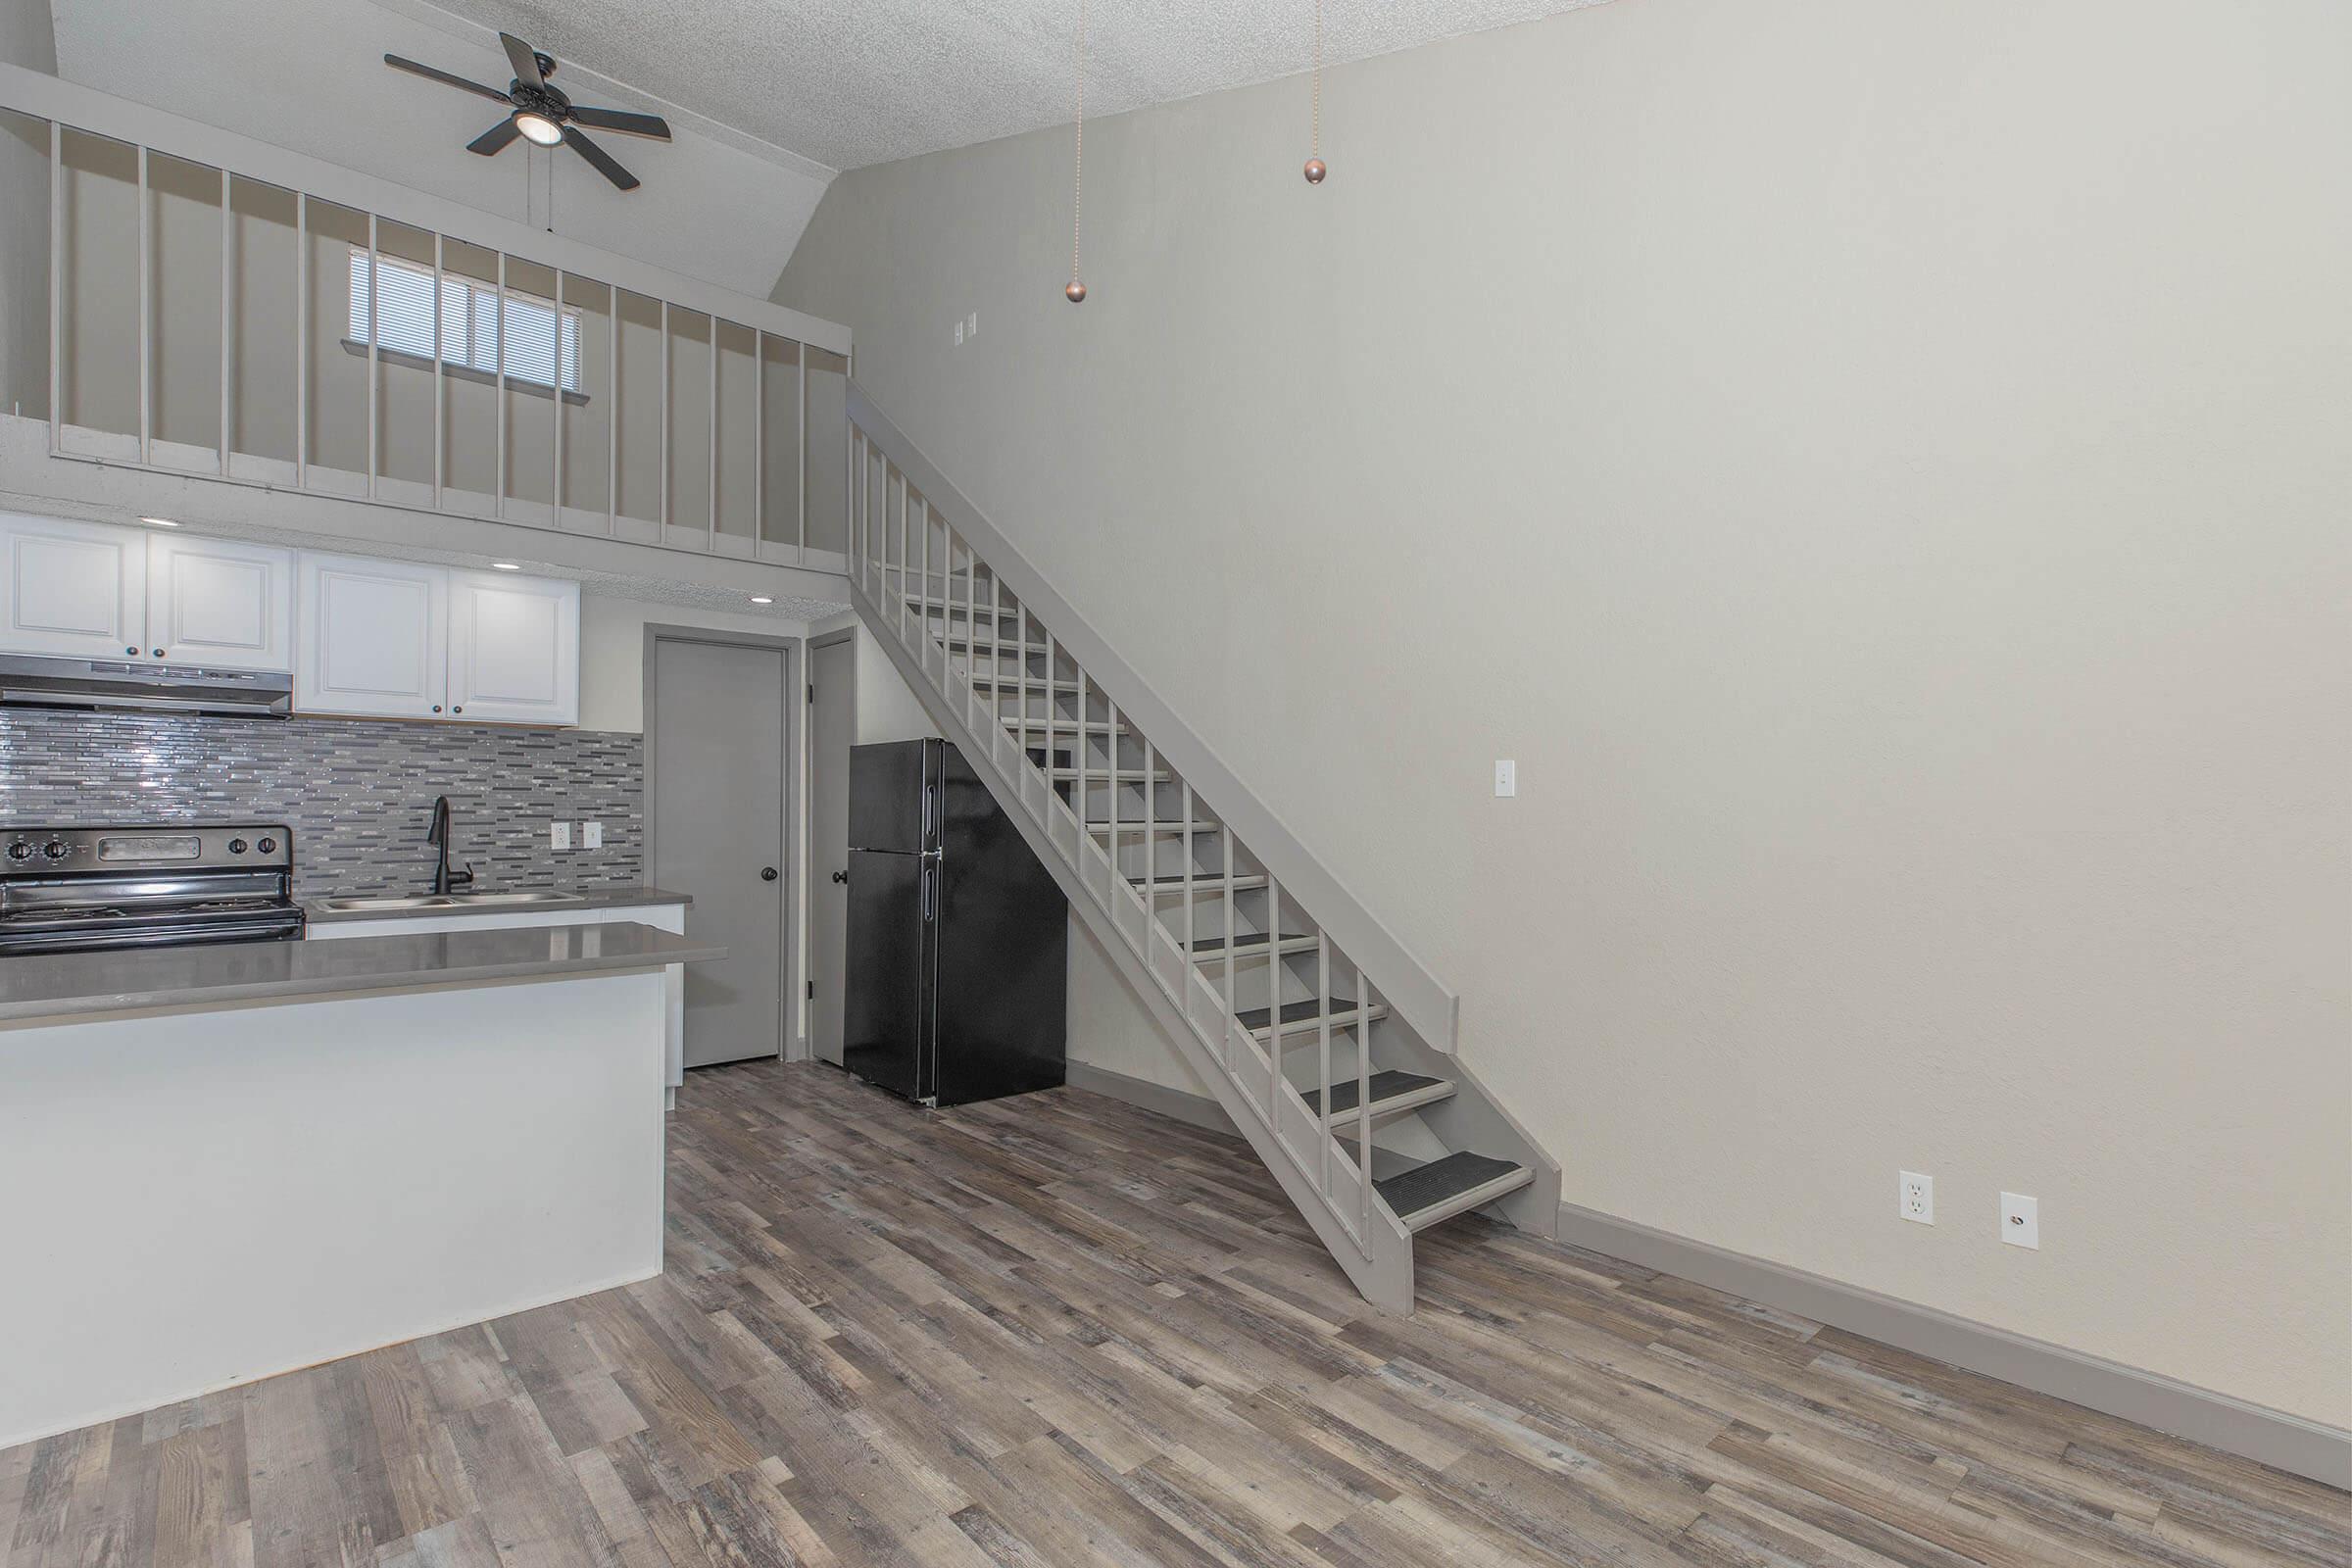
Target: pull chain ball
[[1315, 170], [1075, 293]]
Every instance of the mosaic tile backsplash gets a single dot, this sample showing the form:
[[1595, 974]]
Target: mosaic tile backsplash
[[357, 793]]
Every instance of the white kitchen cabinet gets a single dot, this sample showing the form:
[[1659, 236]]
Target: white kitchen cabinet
[[75, 589], [220, 602], [372, 637], [514, 648]]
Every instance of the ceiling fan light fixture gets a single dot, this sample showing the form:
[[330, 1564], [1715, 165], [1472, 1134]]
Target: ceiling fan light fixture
[[537, 128]]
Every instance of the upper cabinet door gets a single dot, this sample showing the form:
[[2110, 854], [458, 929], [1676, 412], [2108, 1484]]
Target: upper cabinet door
[[513, 648], [372, 637], [220, 603], [79, 589]]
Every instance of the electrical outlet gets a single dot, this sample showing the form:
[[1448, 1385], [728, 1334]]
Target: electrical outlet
[[960, 331], [1506, 778], [972, 328], [592, 835], [559, 835], [2021, 1220], [1916, 1197]]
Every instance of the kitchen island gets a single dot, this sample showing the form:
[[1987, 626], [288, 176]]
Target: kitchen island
[[236, 1159]]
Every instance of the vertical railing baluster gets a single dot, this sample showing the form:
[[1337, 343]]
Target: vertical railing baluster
[[146, 327], [661, 511], [555, 494], [760, 448], [711, 502], [1323, 1051], [57, 286], [227, 275], [611, 409], [440, 380], [1190, 927], [1273, 1001], [301, 338], [971, 623], [800, 482], [924, 648], [995, 674], [1110, 778], [497, 503], [1363, 1109], [374, 372], [1150, 859], [1225, 849]]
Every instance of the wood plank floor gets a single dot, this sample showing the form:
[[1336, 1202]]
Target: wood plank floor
[[1060, 1330]]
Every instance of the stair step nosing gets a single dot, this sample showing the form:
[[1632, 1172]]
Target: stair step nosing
[[1388, 1105], [1462, 1202]]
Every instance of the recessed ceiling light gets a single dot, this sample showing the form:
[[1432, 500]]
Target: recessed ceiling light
[[504, 566], [537, 128], [161, 522], [761, 599]]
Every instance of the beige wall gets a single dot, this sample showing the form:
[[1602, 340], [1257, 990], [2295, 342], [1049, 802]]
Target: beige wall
[[1882, 471]]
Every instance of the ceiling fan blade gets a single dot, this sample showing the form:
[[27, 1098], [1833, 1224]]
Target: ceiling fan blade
[[397, 62], [600, 160], [622, 121], [524, 62], [490, 143]]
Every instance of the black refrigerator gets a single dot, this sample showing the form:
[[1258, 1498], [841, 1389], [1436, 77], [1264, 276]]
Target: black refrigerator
[[958, 939]]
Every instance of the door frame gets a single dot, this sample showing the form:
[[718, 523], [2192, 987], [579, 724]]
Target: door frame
[[792, 1009], [843, 634]]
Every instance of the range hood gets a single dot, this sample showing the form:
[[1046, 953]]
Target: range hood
[[28, 681]]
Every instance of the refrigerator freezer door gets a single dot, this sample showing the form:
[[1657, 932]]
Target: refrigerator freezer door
[[888, 1008], [1004, 934], [893, 795]]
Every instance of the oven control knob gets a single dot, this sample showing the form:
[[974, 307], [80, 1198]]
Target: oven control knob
[[268, 845], [19, 850], [236, 846], [55, 848]]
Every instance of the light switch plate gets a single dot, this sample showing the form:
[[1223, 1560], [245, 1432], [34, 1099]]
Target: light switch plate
[[2021, 1220], [1506, 778], [559, 835], [960, 331], [972, 328], [592, 835]]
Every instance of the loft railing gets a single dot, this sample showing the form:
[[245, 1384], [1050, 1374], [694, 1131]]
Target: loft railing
[[1271, 976], [215, 307]]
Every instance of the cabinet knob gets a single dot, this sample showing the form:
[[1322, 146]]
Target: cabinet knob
[[457, 709], [767, 873], [130, 650], [159, 652], [436, 708]]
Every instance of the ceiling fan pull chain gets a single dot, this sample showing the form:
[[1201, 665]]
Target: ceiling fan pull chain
[[1076, 292]]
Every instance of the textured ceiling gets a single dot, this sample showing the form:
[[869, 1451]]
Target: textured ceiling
[[851, 83], [309, 75]]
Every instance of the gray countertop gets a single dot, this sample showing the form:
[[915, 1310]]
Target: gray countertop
[[60, 986], [589, 898]]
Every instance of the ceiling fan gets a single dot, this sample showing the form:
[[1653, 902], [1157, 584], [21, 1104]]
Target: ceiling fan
[[541, 114]]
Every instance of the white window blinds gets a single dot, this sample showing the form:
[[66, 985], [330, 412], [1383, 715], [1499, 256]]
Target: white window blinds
[[539, 339]]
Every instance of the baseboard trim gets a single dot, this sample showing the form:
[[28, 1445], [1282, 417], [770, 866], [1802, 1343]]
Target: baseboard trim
[[2285, 1441], [1177, 1104]]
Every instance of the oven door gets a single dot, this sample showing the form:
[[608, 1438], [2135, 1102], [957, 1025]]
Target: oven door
[[20, 939]]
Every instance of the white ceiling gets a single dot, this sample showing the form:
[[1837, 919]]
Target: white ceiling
[[309, 75], [852, 82]]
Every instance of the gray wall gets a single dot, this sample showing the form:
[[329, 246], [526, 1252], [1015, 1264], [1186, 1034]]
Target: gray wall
[[27, 38], [1881, 472]]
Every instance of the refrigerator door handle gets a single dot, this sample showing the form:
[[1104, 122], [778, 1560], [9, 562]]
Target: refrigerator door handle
[[930, 870], [930, 794]]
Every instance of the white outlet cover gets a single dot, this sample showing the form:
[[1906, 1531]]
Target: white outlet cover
[[559, 835], [2021, 1220], [592, 835], [960, 331], [1506, 778], [1915, 1197], [972, 330]]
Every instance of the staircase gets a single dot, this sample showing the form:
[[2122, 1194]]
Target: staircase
[[1329, 1046]]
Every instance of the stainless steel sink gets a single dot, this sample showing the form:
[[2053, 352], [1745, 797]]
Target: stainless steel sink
[[381, 902], [536, 896]]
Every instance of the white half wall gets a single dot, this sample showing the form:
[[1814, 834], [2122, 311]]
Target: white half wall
[[1880, 470]]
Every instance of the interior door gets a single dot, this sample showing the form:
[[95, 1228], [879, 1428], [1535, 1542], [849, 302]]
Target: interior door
[[716, 726], [832, 729], [514, 648], [220, 602], [370, 637], [75, 589]]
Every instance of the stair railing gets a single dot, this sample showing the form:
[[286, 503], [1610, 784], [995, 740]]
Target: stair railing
[[922, 563]]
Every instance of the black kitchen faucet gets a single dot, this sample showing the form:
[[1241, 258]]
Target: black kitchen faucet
[[438, 836]]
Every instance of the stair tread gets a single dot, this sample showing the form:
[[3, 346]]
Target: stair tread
[[1141, 826], [1307, 1011], [1439, 1189], [1202, 882], [1247, 939], [1389, 1084]]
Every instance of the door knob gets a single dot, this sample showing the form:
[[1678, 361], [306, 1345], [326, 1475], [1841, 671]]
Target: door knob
[[840, 876], [767, 873]]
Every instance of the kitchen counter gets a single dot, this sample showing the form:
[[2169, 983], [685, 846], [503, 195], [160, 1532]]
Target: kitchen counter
[[50, 987], [589, 898]]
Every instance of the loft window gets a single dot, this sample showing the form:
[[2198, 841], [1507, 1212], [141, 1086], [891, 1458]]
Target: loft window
[[535, 331]]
